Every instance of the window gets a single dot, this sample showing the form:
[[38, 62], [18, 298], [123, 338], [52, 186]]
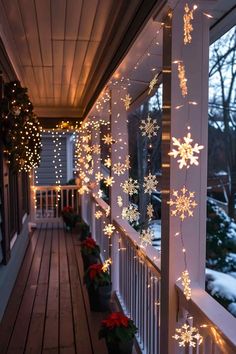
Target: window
[[221, 216]]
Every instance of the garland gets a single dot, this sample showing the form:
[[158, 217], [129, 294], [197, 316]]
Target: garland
[[20, 128]]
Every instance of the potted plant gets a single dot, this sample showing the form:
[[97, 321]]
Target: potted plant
[[84, 230], [98, 282], [69, 217], [90, 252], [118, 331]]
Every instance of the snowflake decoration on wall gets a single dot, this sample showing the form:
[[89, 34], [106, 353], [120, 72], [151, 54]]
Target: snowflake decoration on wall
[[99, 176], [188, 335], [107, 162], [109, 229], [107, 139], [109, 181], [130, 186], [150, 183], [183, 203], [185, 280], [149, 127], [106, 265], [146, 237], [119, 201], [150, 211], [186, 151], [119, 168], [98, 214], [127, 101], [152, 83], [130, 213]]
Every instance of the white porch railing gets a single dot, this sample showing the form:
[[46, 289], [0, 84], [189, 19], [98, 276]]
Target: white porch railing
[[138, 291], [48, 202]]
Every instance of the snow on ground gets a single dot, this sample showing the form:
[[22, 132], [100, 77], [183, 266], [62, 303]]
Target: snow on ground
[[155, 225], [221, 285]]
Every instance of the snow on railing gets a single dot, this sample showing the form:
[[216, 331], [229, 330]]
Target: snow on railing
[[48, 202]]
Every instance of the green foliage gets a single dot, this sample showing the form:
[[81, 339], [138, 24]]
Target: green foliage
[[96, 277], [221, 239]]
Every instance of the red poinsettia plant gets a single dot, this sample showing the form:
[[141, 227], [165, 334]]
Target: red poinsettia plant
[[117, 328], [69, 216], [97, 276], [90, 247]]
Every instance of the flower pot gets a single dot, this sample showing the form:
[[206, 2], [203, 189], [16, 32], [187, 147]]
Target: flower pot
[[89, 259], [120, 347], [99, 299]]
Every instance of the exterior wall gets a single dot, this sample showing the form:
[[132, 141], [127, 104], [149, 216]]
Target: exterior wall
[[46, 172]]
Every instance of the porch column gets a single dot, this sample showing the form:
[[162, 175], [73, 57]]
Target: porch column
[[178, 114], [119, 153]]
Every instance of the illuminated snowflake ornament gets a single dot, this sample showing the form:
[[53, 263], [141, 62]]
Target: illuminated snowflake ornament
[[183, 203], [130, 186], [182, 79], [100, 193], [108, 211], [150, 211], [99, 176], [152, 83], [98, 214], [149, 127], [109, 229], [106, 265], [96, 149], [130, 213], [119, 168], [109, 181], [186, 151], [127, 101], [188, 335], [107, 139], [119, 201], [146, 237], [188, 27], [150, 183], [185, 280], [107, 162]]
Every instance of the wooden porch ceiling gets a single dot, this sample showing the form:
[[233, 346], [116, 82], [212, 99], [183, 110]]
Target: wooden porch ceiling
[[48, 311], [61, 49]]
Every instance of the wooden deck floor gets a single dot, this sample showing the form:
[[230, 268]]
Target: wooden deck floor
[[48, 311]]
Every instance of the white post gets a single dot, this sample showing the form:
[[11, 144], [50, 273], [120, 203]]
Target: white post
[[119, 153], [175, 121]]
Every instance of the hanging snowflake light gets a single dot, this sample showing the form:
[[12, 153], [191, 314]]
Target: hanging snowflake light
[[152, 83], [127, 101], [186, 151], [99, 176], [100, 193], [146, 237], [107, 162], [119, 201], [127, 162], [185, 280], [150, 183], [130, 186], [183, 203], [187, 335], [109, 229], [119, 168], [109, 181], [107, 139], [96, 149], [182, 79], [108, 211], [149, 127], [98, 214], [130, 213], [106, 265]]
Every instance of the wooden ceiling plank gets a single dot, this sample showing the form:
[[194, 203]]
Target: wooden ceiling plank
[[17, 30], [44, 26], [30, 26], [58, 8], [33, 91], [48, 81], [87, 19], [73, 12], [57, 60], [103, 11]]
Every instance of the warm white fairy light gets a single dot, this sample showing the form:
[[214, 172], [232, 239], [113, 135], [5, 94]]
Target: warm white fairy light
[[185, 280], [188, 27], [106, 265], [186, 151], [182, 203], [182, 79]]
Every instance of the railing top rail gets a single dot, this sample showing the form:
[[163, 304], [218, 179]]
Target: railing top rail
[[101, 203], [212, 317], [43, 188]]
